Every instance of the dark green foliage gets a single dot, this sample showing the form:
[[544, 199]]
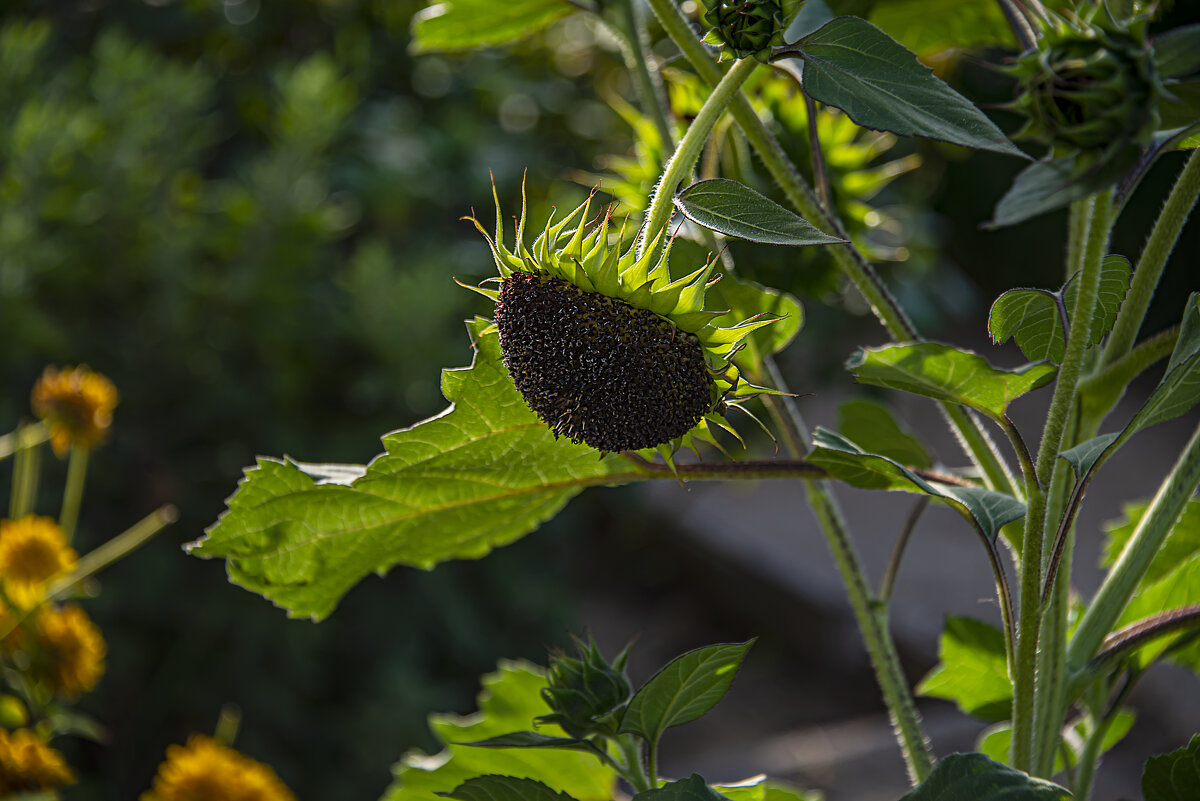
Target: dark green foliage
[[586, 693], [746, 27], [597, 369], [1174, 776]]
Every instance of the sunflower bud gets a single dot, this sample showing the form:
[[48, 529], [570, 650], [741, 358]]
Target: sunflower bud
[[586, 693], [745, 27], [1089, 89]]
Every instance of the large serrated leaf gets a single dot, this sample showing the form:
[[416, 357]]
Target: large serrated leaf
[[483, 473], [453, 25], [989, 511], [746, 299], [852, 65], [1174, 776], [872, 427], [946, 373], [974, 777], [510, 699], [735, 209], [972, 670], [493, 787], [684, 689], [693, 788]]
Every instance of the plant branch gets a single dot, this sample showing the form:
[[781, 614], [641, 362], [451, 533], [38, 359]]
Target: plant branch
[[1149, 268], [888, 583], [1143, 631], [117, 548], [1020, 26], [72, 499], [820, 174]]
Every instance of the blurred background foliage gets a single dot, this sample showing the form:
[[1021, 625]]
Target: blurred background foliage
[[247, 215]]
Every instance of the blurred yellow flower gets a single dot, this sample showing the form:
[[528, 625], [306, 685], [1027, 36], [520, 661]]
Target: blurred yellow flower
[[72, 647], [27, 763], [205, 770], [33, 550], [77, 406]]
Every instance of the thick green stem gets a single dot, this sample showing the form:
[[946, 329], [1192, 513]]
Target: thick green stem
[[635, 771], [1033, 545], [682, 163], [73, 492], [1113, 595], [1154, 258]]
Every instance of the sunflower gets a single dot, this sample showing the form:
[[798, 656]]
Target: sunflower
[[206, 770], [27, 763], [33, 550], [604, 346], [72, 649], [77, 406]]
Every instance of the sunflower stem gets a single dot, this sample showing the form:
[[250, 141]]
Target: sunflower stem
[[27, 465], [118, 547], [68, 518]]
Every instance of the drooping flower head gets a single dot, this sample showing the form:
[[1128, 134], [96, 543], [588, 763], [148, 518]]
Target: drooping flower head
[[77, 406], [33, 551], [71, 650], [29, 764], [604, 346], [206, 770]]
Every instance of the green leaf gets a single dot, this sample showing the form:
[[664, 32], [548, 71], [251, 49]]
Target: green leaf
[[1177, 589], [1083, 457], [974, 777], [1179, 389], [684, 689], [492, 787], [946, 373], [989, 511], [454, 25], [1181, 110], [996, 741], [935, 26], [483, 473], [1174, 776], [972, 670], [1177, 52], [1041, 187], [693, 788], [1181, 543], [768, 789], [1031, 317], [852, 65], [873, 428], [510, 699], [746, 299], [533, 739], [735, 209], [1115, 273]]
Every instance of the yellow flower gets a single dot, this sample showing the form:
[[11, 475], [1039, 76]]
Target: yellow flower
[[27, 763], [77, 405], [33, 551], [205, 770], [73, 650]]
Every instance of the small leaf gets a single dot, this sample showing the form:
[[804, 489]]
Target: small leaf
[[533, 739], [974, 777], [989, 511], [1031, 317], [1053, 183], [972, 670], [1174, 776], [1115, 273], [1083, 457], [735, 209], [684, 689], [852, 65], [1179, 389], [746, 299], [511, 698], [1177, 52], [873, 428], [492, 787], [766, 789], [454, 25], [946, 373], [693, 788]]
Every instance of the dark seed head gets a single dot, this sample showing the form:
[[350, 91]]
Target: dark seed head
[[599, 370]]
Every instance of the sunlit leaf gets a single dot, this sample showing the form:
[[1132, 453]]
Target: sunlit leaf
[[467, 24], [1115, 272], [1031, 317], [1177, 589], [746, 299], [483, 473], [735, 209], [934, 26], [852, 65], [1181, 543], [510, 700], [684, 689], [693, 788], [766, 789], [974, 777], [972, 670]]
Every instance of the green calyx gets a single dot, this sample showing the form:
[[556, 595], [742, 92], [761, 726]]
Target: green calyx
[[1089, 89], [586, 694], [745, 28], [604, 346]]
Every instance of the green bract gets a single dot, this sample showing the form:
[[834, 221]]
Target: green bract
[[604, 346], [587, 693], [746, 28]]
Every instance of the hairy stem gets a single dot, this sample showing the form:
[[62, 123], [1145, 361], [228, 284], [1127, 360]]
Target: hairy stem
[[1149, 268], [645, 76], [888, 583], [681, 164]]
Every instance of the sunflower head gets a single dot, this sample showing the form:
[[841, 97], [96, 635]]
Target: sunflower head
[[29, 764], [33, 550], [206, 770], [745, 28], [72, 650], [604, 346], [77, 406], [586, 692]]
